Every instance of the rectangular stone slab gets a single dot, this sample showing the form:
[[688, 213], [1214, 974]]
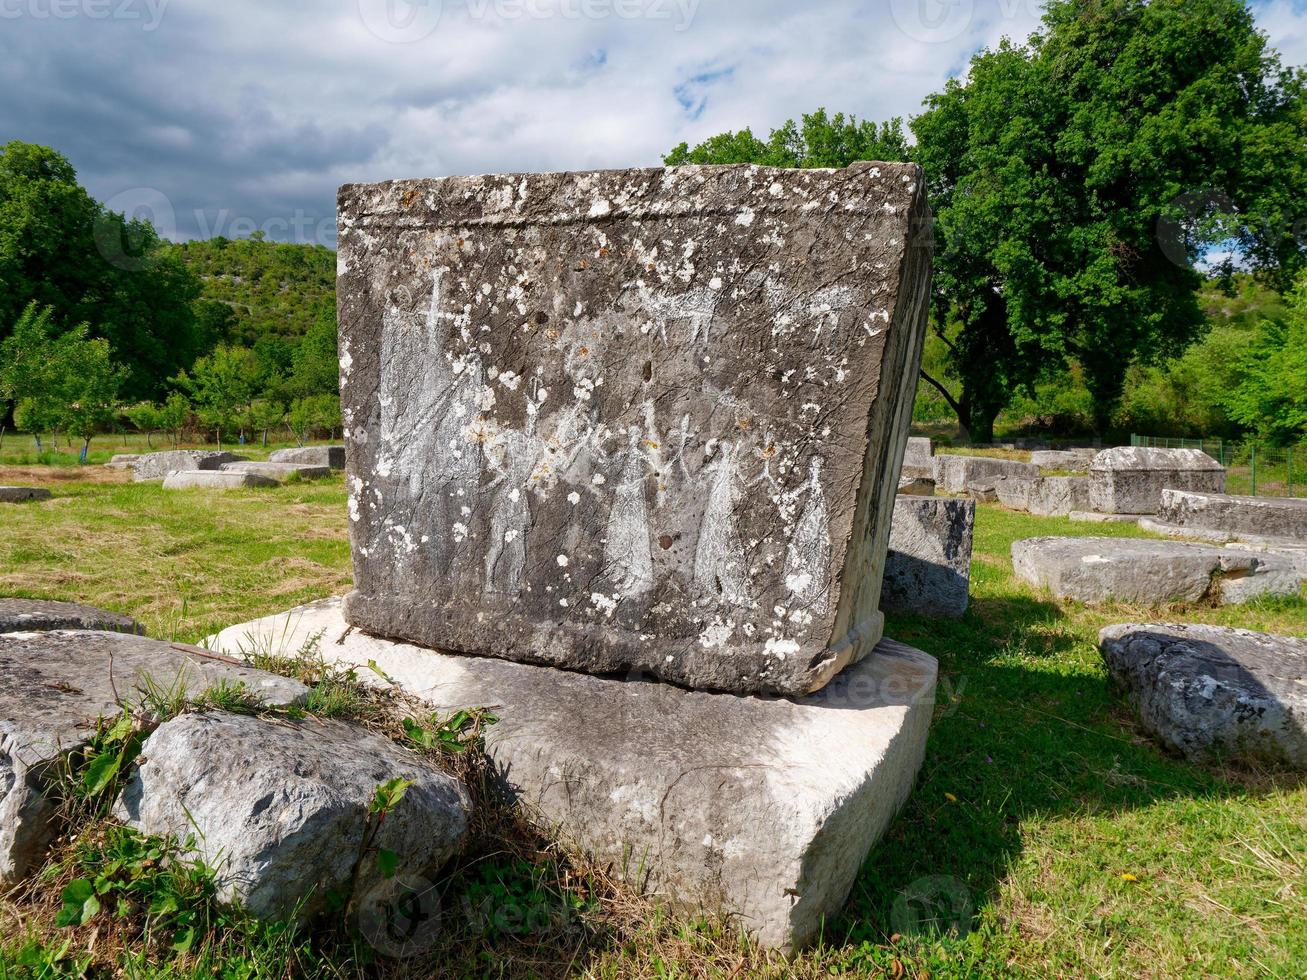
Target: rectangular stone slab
[[762, 808], [647, 419]]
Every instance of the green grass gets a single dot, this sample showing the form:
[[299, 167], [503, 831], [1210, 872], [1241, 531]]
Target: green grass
[[1046, 834]]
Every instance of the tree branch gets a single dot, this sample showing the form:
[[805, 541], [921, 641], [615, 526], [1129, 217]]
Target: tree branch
[[952, 403]]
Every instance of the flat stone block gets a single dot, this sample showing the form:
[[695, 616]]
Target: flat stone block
[[123, 461], [33, 615], [279, 471], [919, 459], [1092, 517], [215, 480], [156, 466], [1151, 572], [1070, 460], [1227, 517], [954, 474], [1211, 692], [279, 808], [22, 495], [1044, 496], [54, 686], [928, 570], [761, 807], [1130, 479], [641, 419], [331, 456], [917, 487]]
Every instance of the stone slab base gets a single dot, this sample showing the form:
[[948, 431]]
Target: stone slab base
[[215, 480], [1092, 517], [279, 471], [20, 495], [763, 808]]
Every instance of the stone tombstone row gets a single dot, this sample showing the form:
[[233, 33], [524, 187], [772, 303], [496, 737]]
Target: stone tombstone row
[[644, 419]]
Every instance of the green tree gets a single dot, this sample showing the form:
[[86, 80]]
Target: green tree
[[265, 414], [25, 367], [87, 381], [821, 141], [147, 417], [316, 369], [173, 415], [61, 249], [1271, 399], [220, 385]]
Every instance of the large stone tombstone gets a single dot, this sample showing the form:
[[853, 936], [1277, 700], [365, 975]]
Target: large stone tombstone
[[632, 420]]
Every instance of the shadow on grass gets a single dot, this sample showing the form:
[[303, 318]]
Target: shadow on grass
[[1026, 726]]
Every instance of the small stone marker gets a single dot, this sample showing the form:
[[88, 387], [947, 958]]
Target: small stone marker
[[53, 688], [279, 808], [332, 456], [646, 419], [1130, 479], [764, 808], [928, 570], [279, 471], [1224, 517], [1044, 496], [919, 459], [32, 615], [954, 474], [22, 495], [1151, 572], [156, 466], [1211, 692], [215, 480]]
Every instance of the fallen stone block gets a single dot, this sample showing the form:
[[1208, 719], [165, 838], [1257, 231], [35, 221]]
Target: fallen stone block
[[22, 495], [215, 480], [279, 471], [928, 569], [331, 456], [1091, 517], [279, 808], [32, 615], [919, 459], [953, 474], [917, 487], [764, 808], [1151, 572], [156, 466], [1130, 479], [1068, 460], [123, 461], [54, 686], [1044, 496], [683, 466], [1225, 517], [1212, 692], [983, 491]]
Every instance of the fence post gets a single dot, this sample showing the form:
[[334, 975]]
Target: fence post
[[1254, 455]]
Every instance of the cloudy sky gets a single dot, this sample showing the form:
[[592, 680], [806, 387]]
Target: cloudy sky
[[226, 116]]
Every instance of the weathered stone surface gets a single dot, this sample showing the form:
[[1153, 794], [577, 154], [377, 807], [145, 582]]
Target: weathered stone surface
[[1151, 572], [21, 495], [54, 686], [919, 459], [762, 807], [644, 419], [983, 491], [123, 461], [917, 487], [1092, 517], [332, 456], [215, 480], [156, 466], [1225, 517], [279, 808], [928, 570], [954, 474], [30, 615], [279, 471], [1069, 460], [1214, 692], [1044, 496], [1130, 479]]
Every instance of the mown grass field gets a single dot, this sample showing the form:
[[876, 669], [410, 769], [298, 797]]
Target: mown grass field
[[1046, 835]]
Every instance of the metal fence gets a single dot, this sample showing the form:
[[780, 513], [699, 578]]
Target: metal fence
[[1251, 469]]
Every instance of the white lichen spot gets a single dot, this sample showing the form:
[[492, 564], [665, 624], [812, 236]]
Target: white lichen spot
[[460, 531], [573, 498], [780, 648], [745, 217], [605, 604], [563, 561]]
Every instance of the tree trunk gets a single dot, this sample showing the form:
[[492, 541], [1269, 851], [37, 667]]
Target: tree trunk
[[981, 423], [86, 448]]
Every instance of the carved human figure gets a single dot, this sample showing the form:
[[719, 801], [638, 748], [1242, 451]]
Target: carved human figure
[[720, 566], [808, 555], [514, 455], [628, 555]]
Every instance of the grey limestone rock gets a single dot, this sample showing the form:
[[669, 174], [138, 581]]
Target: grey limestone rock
[[1130, 479], [279, 808], [642, 419], [32, 615], [156, 466], [22, 495], [55, 686], [1212, 692], [1225, 517], [332, 456], [763, 808], [919, 459], [279, 471], [215, 480], [954, 474], [1070, 460], [928, 570], [1044, 496]]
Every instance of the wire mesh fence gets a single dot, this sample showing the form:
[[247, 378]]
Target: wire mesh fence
[[1251, 469]]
